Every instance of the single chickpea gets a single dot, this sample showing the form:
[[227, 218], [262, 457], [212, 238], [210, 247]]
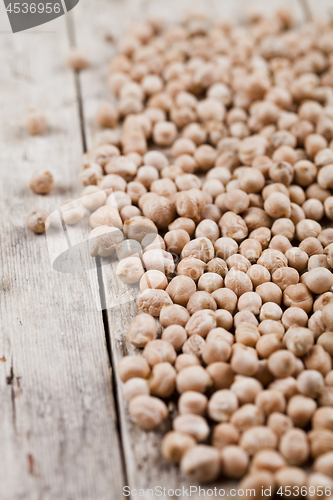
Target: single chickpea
[[281, 363], [258, 437], [321, 442], [297, 258], [238, 282], [258, 275], [162, 380], [298, 340], [190, 204], [215, 350], [142, 330], [293, 477], [184, 223], [234, 461], [103, 241], [201, 323], [313, 209], [159, 260], [175, 445], [310, 383], [300, 409], [225, 434], [132, 367], [35, 122], [248, 415], [151, 300], [238, 262], [224, 319], [294, 447], [128, 248], [164, 133], [192, 402], [319, 280], [322, 418], [233, 226], [73, 212], [180, 289], [269, 292], [107, 115], [153, 279], [277, 205], [130, 269], [221, 405], [270, 310], [147, 412], [210, 282], [156, 159], [191, 267], [328, 206], [176, 335], [135, 387], [245, 317], [314, 143], [159, 351], [284, 277], [237, 201], [280, 242], [307, 228], [250, 301], [251, 249], [246, 389], [176, 240], [325, 177], [185, 360], [316, 261], [152, 241], [269, 460], [41, 182], [225, 299], [193, 378], [263, 235], [201, 300], [294, 316], [38, 221], [244, 360], [221, 374], [208, 229], [325, 340], [146, 175], [279, 423], [269, 343], [92, 198], [287, 385], [270, 326], [201, 463], [173, 315], [318, 359], [298, 296], [91, 175]]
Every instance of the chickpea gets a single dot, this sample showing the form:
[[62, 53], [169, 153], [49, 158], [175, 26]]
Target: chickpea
[[258, 275], [185, 360], [142, 330], [221, 374], [147, 412], [156, 159], [191, 267], [278, 205], [153, 279], [321, 442], [246, 389], [233, 226], [244, 360], [107, 115], [269, 292], [250, 249], [234, 460], [201, 463], [175, 445], [298, 340], [279, 423], [35, 122], [193, 378], [194, 425], [250, 301], [132, 367], [319, 280], [294, 447], [183, 223], [294, 316], [270, 401], [152, 241], [176, 240], [135, 387], [201, 323], [180, 289], [159, 351], [162, 380], [298, 296], [158, 260], [300, 409], [190, 203], [270, 310], [269, 460], [164, 133], [38, 221], [325, 178], [281, 363], [225, 299], [146, 175], [41, 182], [318, 359], [245, 317], [322, 418], [269, 343], [207, 229], [316, 261], [224, 319], [173, 315], [293, 477], [257, 437], [297, 258], [238, 282], [310, 383], [192, 402]]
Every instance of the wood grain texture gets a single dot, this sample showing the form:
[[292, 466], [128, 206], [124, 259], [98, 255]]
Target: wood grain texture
[[58, 438], [144, 465]]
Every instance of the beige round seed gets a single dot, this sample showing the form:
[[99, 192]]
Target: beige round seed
[[193, 378], [298, 340], [201, 463], [41, 182], [132, 367], [35, 122], [294, 447], [175, 445], [194, 425], [159, 351], [234, 461], [192, 402], [180, 289], [147, 412], [281, 363], [135, 387], [38, 221], [103, 241], [142, 330], [301, 409], [257, 438], [162, 380]]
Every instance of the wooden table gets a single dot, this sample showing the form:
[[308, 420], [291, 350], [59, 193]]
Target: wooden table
[[64, 427]]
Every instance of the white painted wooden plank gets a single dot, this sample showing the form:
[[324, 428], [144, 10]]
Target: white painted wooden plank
[[94, 21], [58, 438]]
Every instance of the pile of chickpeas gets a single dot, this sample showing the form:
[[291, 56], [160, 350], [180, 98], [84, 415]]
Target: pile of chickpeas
[[212, 183]]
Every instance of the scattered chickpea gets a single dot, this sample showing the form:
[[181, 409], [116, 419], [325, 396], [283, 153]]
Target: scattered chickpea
[[38, 221], [41, 182], [35, 122]]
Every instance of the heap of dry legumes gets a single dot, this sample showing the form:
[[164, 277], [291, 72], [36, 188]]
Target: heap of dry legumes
[[220, 185]]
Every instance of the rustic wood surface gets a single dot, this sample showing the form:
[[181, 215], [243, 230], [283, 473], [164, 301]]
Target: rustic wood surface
[[58, 437], [64, 426]]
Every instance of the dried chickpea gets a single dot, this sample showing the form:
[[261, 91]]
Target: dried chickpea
[[176, 240], [130, 269], [210, 282], [258, 275], [183, 223], [294, 316], [151, 301], [38, 221], [192, 402], [132, 367], [300, 409], [153, 279], [175, 445], [162, 380], [176, 335], [201, 463], [41, 182], [180, 289], [269, 292], [257, 437], [35, 122], [173, 315], [147, 412], [294, 447], [193, 378]]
